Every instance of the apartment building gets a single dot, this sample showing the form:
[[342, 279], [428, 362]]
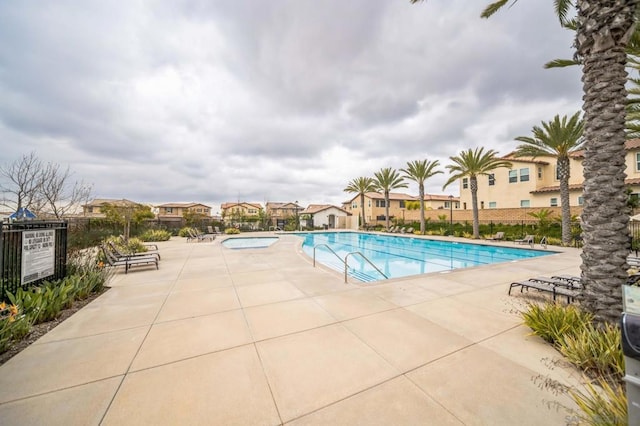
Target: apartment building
[[374, 206], [534, 182]]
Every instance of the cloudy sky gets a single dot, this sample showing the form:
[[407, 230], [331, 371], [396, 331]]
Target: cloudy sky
[[281, 100]]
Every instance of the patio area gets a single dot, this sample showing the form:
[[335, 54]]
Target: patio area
[[260, 337]]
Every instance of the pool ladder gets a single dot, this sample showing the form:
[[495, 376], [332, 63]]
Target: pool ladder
[[344, 261]]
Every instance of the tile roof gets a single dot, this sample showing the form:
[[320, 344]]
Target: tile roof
[[579, 186], [242, 203], [185, 205], [315, 208]]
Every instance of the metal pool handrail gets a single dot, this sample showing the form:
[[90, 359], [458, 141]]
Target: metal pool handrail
[[346, 266], [330, 249], [344, 261]]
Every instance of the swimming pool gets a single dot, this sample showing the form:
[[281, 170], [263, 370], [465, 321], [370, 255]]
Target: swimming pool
[[398, 256], [249, 242]]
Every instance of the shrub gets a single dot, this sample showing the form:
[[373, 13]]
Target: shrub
[[184, 232], [14, 325], [155, 235], [552, 321], [596, 351], [604, 404], [231, 231]]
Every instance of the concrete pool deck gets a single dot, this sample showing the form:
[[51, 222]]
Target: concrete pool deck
[[259, 336]]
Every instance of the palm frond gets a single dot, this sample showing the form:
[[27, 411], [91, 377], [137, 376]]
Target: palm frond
[[494, 7], [561, 63]]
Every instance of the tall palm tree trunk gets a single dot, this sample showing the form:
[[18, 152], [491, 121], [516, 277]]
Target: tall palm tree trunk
[[473, 186], [421, 194], [362, 207], [563, 171], [386, 208], [602, 35]]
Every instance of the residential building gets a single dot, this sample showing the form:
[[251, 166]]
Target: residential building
[[374, 206], [325, 215], [94, 208], [239, 213], [178, 210], [278, 213], [534, 183]]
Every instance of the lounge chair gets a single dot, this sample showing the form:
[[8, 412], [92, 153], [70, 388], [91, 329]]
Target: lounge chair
[[528, 239], [118, 254], [555, 285], [498, 237], [129, 261], [398, 230], [213, 230], [392, 229], [198, 236]]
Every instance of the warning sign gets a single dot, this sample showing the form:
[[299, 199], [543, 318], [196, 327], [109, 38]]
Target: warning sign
[[38, 253]]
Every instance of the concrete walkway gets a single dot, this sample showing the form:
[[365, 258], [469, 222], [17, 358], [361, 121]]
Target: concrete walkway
[[259, 336]]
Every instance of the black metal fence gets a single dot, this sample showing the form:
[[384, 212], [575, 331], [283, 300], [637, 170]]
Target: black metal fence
[[29, 245]]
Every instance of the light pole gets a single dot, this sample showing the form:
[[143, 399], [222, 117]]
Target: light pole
[[451, 214], [298, 217]]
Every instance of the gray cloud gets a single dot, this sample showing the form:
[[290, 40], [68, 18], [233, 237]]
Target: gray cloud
[[283, 100]]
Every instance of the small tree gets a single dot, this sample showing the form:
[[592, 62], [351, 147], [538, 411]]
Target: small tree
[[126, 214]]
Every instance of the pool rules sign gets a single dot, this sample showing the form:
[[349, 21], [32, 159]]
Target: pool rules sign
[[38, 253]]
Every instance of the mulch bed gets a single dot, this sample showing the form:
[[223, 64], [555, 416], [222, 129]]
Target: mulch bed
[[39, 330]]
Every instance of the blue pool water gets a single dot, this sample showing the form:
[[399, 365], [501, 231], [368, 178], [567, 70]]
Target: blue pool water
[[399, 256], [249, 242]]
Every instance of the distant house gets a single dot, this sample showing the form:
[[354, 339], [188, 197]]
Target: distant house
[[94, 208], [177, 210], [325, 215], [278, 213], [374, 206], [240, 213]]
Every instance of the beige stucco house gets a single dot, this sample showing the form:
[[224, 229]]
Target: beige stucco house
[[278, 213], [240, 212], [534, 183], [325, 215], [94, 208], [374, 206], [178, 210]]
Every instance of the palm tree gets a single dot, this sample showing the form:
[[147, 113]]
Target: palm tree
[[360, 185], [472, 163], [557, 138], [419, 171], [386, 180], [603, 32]]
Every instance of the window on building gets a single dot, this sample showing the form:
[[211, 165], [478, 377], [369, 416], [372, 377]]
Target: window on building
[[513, 176], [354, 205], [380, 203], [482, 204], [89, 209], [557, 174], [525, 203], [252, 211], [638, 161], [524, 175], [456, 205], [492, 179], [464, 206], [465, 183], [553, 202], [493, 204], [402, 204], [169, 209], [580, 200], [539, 172]]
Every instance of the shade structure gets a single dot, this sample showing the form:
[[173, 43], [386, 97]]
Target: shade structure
[[22, 213]]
